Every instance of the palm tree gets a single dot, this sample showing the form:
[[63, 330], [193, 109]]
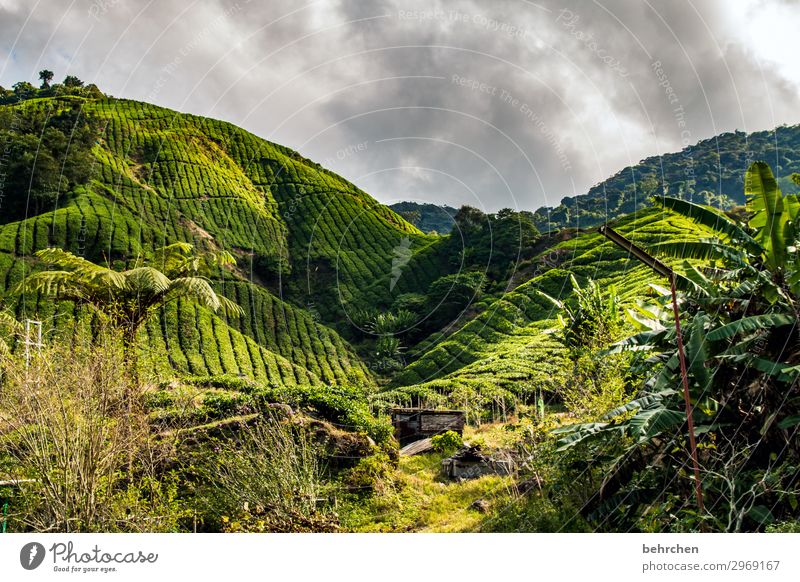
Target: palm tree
[[128, 298]]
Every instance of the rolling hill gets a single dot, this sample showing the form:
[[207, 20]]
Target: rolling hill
[[708, 172], [314, 252], [306, 240], [427, 217]]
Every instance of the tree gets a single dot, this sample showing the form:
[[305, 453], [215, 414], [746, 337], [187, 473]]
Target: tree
[[73, 82], [596, 318], [493, 242], [589, 324], [128, 298], [450, 295], [23, 90], [411, 216], [45, 77], [48, 157]]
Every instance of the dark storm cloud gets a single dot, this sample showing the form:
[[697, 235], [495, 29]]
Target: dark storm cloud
[[508, 103]]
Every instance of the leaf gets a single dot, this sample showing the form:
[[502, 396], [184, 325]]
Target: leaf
[[646, 340], [577, 433], [60, 284], [700, 280], [10, 322], [702, 250], [667, 377], [659, 289], [696, 354], [552, 300], [765, 203], [647, 317], [791, 211], [685, 284], [86, 271], [642, 403], [761, 514], [146, 280], [710, 218], [789, 422], [750, 324], [768, 366], [649, 423], [195, 289]]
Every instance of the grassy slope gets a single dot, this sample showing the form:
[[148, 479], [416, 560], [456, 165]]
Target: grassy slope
[[506, 350], [421, 499], [308, 236], [160, 177]]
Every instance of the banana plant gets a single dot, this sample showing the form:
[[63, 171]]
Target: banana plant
[[758, 257], [740, 331]]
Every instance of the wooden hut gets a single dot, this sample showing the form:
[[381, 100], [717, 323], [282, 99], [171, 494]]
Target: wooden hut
[[413, 424]]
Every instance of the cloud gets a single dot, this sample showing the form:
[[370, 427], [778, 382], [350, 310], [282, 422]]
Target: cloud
[[509, 103]]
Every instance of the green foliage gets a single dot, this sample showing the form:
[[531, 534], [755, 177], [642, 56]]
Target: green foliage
[[493, 243], [72, 81], [596, 318], [450, 295], [267, 478], [740, 329], [45, 76], [784, 527], [707, 173], [49, 155], [597, 381], [429, 218], [410, 302], [373, 474], [128, 298], [82, 443], [9, 328], [223, 404], [447, 442]]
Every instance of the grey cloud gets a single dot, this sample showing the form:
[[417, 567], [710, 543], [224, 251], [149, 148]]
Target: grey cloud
[[558, 110]]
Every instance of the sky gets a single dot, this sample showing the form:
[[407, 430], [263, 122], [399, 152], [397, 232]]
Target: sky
[[501, 103]]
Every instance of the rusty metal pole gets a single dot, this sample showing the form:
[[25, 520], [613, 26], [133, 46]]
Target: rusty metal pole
[[698, 489], [667, 272]]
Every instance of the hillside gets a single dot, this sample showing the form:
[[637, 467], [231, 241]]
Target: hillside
[[709, 172], [227, 324], [304, 237], [427, 217], [507, 349]]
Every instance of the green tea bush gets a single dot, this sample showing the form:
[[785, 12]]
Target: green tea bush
[[372, 474], [222, 404], [447, 442]]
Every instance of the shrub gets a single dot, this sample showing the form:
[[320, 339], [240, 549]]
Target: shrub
[[447, 442], [158, 399], [72, 422], [222, 404], [784, 527], [267, 478], [372, 474]]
